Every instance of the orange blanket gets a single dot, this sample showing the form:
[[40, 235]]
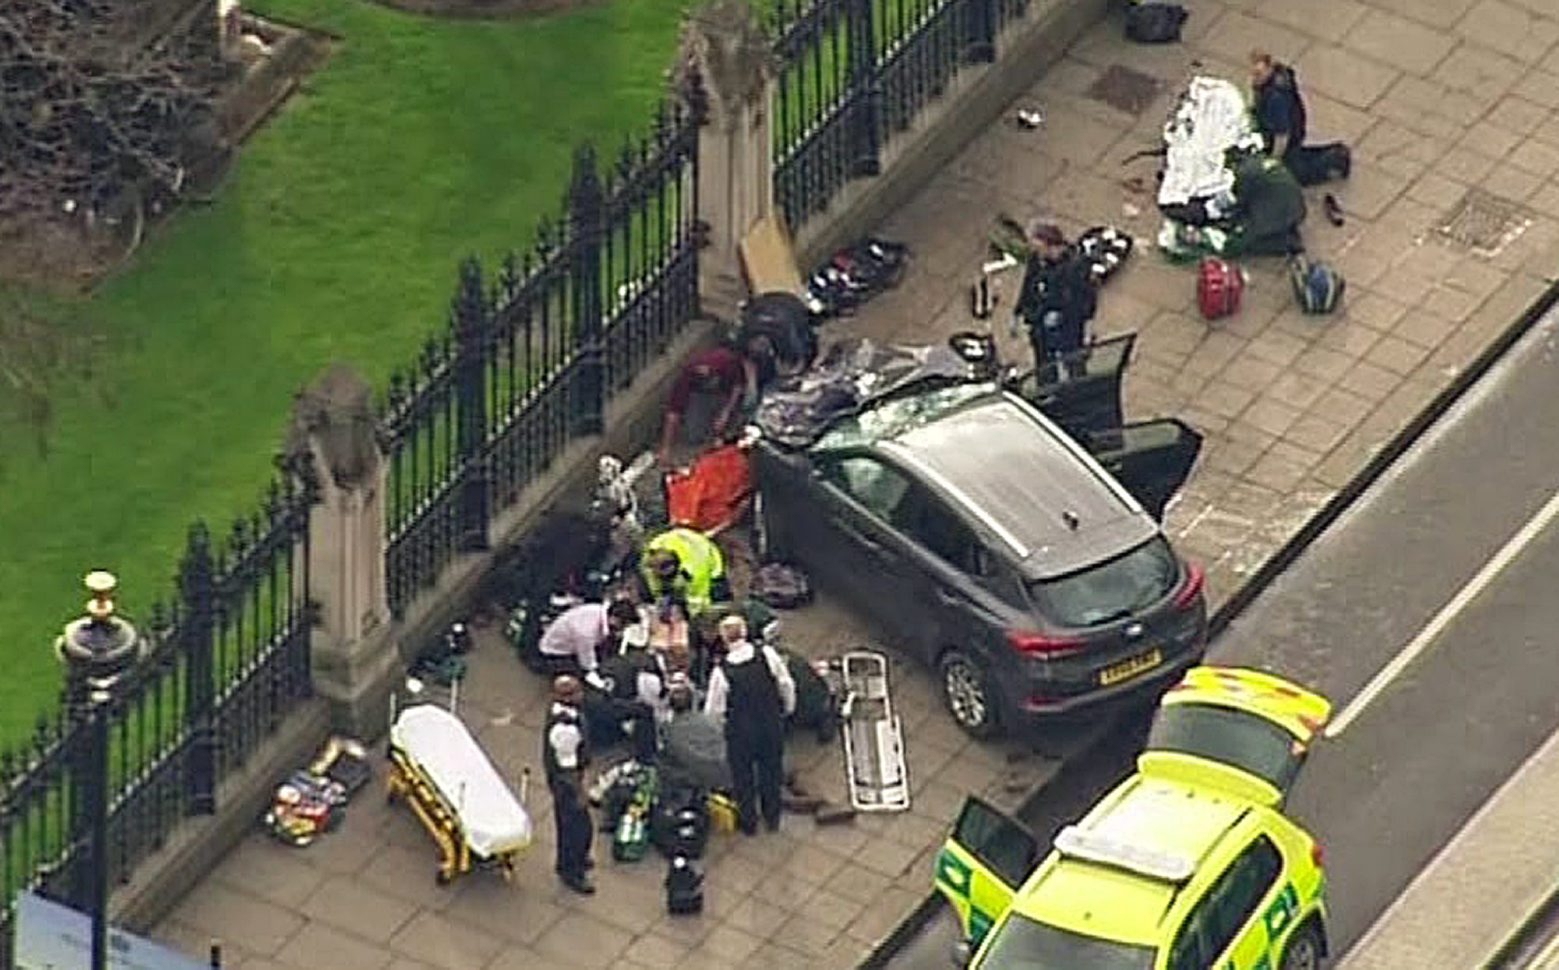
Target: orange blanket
[[713, 493]]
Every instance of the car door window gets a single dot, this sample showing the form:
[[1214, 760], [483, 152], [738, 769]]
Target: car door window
[[927, 520], [998, 842], [1238, 893], [1189, 951], [878, 486]]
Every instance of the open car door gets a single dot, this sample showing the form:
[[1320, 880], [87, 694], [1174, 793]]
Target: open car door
[[1245, 731], [981, 866], [1082, 394], [1151, 458]]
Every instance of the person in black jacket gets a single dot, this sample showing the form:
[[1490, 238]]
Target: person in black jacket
[[1280, 117], [1057, 298], [751, 693], [565, 754]]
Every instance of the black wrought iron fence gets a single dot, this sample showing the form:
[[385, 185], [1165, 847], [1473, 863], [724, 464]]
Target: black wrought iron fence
[[227, 660], [525, 367], [855, 73]]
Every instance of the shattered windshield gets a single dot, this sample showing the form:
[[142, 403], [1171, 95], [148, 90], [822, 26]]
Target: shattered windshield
[[895, 416]]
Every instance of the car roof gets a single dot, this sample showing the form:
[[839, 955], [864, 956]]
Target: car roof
[[1149, 816], [1028, 483]]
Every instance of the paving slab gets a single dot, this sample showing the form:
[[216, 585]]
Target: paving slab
[[1444, 101]]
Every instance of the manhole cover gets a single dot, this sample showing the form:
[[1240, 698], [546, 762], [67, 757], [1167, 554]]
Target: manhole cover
[[1484, 223], [1124, 89]]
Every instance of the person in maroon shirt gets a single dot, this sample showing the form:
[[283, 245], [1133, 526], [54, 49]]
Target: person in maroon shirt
[[721, 373]]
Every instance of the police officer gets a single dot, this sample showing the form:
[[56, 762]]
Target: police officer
[[752, 693], [565, 753], [686, 567], [1057, 298]]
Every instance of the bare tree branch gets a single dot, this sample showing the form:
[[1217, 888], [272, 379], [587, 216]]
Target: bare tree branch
[[88, 116]]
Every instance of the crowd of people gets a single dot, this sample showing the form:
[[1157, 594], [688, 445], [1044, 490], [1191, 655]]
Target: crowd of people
[[673, 673], [1057, 299]]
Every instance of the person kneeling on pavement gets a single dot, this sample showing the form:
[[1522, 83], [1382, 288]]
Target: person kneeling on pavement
[[751, 693], [1270, 207], [574, 642], [684, 567], [693, 752], [620, 700]]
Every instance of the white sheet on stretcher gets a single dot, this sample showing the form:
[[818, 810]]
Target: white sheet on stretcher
[[493, 819], [1212, 118]]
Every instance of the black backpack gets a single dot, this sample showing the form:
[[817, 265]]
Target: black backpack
[[684, 888], [1152, 22]]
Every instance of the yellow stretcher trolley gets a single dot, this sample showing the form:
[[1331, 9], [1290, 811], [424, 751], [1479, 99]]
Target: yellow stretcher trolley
[[437, 767]]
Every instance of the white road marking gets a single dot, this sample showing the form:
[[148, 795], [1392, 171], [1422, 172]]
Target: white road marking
[[1548, 957], [1491, 569], [1442, 865]]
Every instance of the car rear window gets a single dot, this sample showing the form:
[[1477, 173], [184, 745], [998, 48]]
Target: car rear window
[[1223, 734], [1020, 943], [1111, 590]]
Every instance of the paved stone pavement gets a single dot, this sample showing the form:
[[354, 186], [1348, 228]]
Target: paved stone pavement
[[1440, 98]]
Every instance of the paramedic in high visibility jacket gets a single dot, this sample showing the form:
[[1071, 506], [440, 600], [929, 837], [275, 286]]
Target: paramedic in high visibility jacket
[[685, 566]]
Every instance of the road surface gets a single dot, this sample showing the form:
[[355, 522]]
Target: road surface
[[1428, 613]]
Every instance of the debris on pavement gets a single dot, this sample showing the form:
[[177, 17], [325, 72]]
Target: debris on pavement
[[854, 275], [1029, 119], [310, 802]]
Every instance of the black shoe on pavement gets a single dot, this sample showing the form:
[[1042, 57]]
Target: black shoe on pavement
[[580, 884], [1333, 210], [772, 824]]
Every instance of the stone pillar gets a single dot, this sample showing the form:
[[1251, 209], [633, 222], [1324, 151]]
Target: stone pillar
[[727, 53], [354, 660]]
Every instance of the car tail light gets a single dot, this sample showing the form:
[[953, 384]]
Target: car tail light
[[1317, 855], [1195, 579], [1040, 645]]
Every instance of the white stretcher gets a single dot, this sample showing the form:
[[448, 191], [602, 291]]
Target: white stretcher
[[873, 737], [457, 794]]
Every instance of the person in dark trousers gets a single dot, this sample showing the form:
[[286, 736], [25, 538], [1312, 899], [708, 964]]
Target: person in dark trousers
[[1280, 114], [565, 753], [751, 693], [1057, 298]]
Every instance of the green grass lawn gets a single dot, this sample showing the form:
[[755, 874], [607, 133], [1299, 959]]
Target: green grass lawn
[[337, 236]]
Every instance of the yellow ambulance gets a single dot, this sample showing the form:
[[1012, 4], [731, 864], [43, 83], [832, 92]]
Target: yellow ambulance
[[1189, 864]]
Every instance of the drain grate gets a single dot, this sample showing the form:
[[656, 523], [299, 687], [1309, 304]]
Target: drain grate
[[1124, 89], [1484, 223]]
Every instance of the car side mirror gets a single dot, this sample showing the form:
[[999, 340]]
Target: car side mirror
[[963, 952]]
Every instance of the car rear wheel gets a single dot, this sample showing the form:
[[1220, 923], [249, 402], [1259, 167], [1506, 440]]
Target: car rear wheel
[[1304, 950], [966, 690]]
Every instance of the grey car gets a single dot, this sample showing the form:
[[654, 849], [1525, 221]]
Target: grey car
[[996, 548]]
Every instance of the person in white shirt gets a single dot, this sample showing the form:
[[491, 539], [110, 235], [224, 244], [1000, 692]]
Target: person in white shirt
[[752, 693], [572, 644]]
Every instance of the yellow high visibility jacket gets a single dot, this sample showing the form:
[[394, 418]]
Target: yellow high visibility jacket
[[702, 566]]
